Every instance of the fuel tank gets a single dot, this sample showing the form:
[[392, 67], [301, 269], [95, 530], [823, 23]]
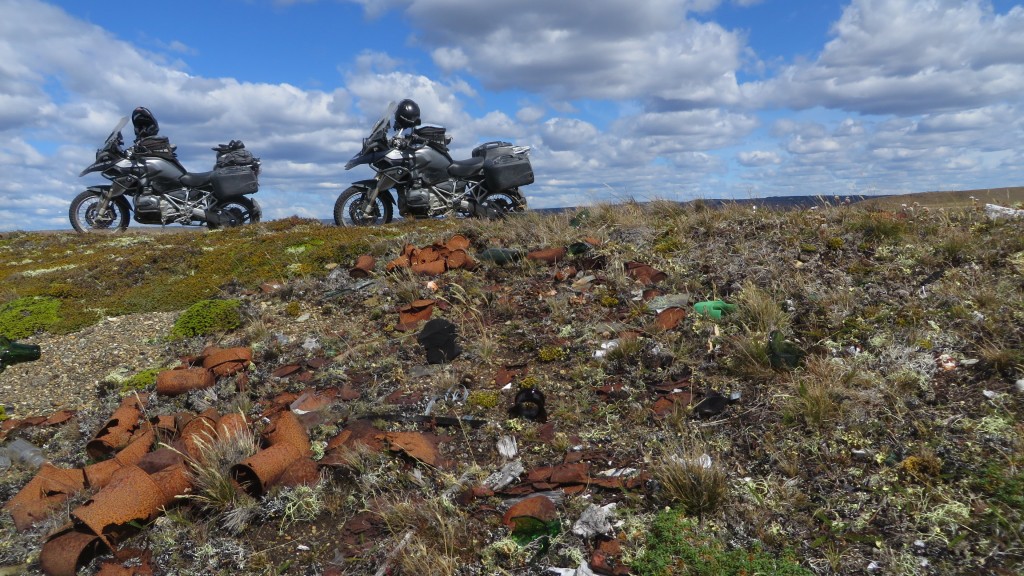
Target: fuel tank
[[432, 165], [161, 173]]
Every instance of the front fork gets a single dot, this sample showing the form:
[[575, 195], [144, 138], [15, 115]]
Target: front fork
[[116, 189], [369, 208]]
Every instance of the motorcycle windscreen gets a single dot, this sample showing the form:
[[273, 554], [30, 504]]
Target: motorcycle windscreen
[[233, 181]]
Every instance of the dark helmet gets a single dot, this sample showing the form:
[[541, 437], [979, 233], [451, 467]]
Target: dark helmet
[[145, 123], [407, 115]]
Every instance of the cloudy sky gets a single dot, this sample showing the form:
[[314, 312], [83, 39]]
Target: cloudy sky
[[675, 99]]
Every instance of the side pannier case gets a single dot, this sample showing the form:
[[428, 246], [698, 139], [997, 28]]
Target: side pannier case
[[232, 181], [507, 171]]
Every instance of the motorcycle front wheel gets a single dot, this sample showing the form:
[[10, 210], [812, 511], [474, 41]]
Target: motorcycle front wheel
[[85, 217], [349, 209], [236, 212]]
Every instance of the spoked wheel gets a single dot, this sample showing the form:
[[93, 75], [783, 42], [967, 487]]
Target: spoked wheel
[[236, 212], [85, 215], [351, 210], [500, 204]]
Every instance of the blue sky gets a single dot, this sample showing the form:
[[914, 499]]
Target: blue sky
[[674, 99]]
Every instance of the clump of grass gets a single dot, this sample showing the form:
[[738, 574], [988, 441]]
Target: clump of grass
[[437, 535], [748, 357], [690, 479], [297, 504], [207, 317], [759, 311], [215, 490], [818, 400]]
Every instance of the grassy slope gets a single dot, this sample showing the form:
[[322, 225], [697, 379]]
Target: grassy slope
[[871, 450]]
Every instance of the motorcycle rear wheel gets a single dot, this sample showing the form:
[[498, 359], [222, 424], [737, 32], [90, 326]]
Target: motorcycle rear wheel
[[85, 218], [244, 211], [507, 202], [353, 200]]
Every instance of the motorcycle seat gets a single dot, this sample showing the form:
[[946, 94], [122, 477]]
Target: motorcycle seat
[[196, 179], [463, 168]]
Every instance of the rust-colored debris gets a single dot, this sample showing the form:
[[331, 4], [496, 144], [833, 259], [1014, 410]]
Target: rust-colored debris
[[138, 563], [359, 432], [227, 361], [194, 431], [430, 268], [14, 424], [132, 497], [537, 507], [506, 374], [360, 534], [567, 273], [669, 402], [650, 294], [363, 266], [314, 400], [607, 558], [67, 550], [257, 473], [285, 428], [99, 474], [302, 472], [49, 487], [411, 315], [417, 445], [118, 430], [435, 259], [669, 318], [547, 255], [403, 397], [644, 274], [288, 443], [458, 242], [286, 370], [175, 382], [272, 286]]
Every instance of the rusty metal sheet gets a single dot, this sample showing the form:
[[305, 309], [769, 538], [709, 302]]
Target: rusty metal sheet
[[669, 318], [118, 430], [363, 266], [50, 486], [227, 361], [416, 312], [286, 428], [132, 496], [176, 382], [431, 268], [98, 475], [547, 255], [67, 550], [262, 470]]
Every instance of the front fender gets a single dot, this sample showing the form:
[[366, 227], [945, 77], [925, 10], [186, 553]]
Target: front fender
[[100, 189], [369, 185]]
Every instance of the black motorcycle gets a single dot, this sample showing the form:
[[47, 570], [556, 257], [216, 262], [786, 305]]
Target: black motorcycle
[[163, 192], [416, 173]]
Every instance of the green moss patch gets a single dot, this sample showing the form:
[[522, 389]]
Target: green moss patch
[[207, 317], [676, 546], [26, 316]]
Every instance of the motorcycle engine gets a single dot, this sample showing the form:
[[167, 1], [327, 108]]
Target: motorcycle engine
[[417, 202], [167, 211]]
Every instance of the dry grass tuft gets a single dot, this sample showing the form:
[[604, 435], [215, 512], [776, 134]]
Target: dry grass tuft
[[690, 478]]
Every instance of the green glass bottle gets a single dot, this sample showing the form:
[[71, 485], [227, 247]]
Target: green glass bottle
[[13, 353]]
